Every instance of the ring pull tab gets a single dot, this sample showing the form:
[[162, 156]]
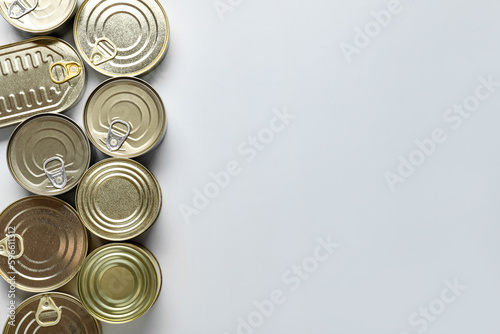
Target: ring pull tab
[[18, 10], [57, 178], [4, 246], [104, 50], [70, 69], [114, 140], [46, 307]]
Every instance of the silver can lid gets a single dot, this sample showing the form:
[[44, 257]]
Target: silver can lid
[[122, 38]]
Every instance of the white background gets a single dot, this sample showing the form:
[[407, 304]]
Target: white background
[[324, 174]]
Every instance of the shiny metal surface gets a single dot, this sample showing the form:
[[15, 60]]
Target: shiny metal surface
[[122, 38], [119, 282], [38, 17], [118, 199], [53, 138], [125, 117], [54, 243], [33, 79], [52, 313]]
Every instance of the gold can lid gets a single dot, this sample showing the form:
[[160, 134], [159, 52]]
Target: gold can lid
[[50, 313], [48, 154], [122, 38], [43, 243], [37, 16], [119, 282], [118, 199], [125, 117], [39, 76]]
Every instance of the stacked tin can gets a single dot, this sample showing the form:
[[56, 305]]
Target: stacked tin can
[[46, 241]]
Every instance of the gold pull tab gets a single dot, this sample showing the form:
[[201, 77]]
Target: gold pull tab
[[46, 306], [70, 70], [4, 246], [104, 50], [18, 10]]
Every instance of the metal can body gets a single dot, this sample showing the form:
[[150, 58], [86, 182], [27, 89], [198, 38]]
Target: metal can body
[[48, 154], [51, 313], [118, 199], [40, 75], [122, 38], [125, 117], [119, 282], [44, 246], [38, 17]]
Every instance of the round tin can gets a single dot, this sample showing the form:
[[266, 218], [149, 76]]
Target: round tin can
[[48, 154], [125, 117], [51, 313], [118, 199], [39, 76], [38, 17], [122, 38], [119, 282], [44, 243]]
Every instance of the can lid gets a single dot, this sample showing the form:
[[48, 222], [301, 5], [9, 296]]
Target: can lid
[[37, 16], [119, 282], [100, 38], [125, 117], [51, 313], [118, 199], [43, 243], [48, 154]]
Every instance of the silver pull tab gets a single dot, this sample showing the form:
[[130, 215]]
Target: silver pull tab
[[18, 10], [114, 140], [46, 307], [57, 178], [4, 246], [104, 50]]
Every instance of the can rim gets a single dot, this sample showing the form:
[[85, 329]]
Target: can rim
[[50, 294], [9, 149], [142, 72], [44, 31], [119, 239], [143, 250], [123, 78], [69, 278]]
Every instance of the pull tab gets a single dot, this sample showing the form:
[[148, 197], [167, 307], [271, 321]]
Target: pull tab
[[70, 70], [4, 246], [114, 140], [57, 178], [18, 10], [104, 50], [47, 305]]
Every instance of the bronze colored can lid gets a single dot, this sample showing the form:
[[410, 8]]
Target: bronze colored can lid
[[48, 154], [119, 282], [118, 199], [51, 313], [122, 38], [125, 117], [43, 243]]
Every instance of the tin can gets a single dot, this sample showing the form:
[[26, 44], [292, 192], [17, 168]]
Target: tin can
[[109, 49], [39, 75], [51, 313], [48, 154], [125, 117], [118, 199], [44, 243], [119, 282], [38, 17]]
